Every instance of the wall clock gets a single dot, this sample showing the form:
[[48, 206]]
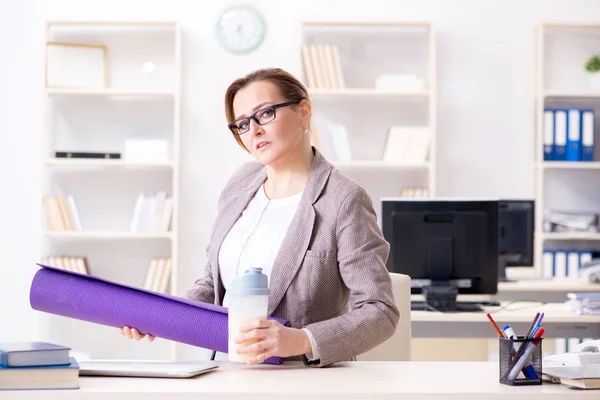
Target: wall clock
[[240, 29]]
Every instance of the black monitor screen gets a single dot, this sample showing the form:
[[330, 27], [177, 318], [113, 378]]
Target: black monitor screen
[[444, 241], [516, 218]]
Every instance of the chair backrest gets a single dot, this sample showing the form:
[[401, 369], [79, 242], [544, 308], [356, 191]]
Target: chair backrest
[[397, 347]]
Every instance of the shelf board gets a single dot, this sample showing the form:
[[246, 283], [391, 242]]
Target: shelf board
[[590, 95], [365, 93], [367, 164], [366, 27], [110, 23], [112, 26], [366, 23], [108, 235], [560, 25], [109, 92], [571, 236], [569, 165], [103, 162]]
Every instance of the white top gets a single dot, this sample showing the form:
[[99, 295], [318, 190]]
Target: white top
[[255, 239], [347, 381]]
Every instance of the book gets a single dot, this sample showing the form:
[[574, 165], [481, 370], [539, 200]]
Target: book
[[41, 377], [23, 354], [582, 377]]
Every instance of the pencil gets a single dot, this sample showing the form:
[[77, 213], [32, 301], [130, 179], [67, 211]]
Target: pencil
[[498, 331]]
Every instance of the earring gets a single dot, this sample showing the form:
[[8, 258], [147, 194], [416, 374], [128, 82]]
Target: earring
[[306, 131]]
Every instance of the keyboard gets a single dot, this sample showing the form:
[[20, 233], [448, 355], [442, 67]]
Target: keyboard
[[460, 306]]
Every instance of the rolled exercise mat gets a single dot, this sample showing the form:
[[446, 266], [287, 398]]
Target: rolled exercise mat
[[94, 299]]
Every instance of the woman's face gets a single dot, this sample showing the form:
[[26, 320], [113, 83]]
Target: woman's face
[[271, 142]]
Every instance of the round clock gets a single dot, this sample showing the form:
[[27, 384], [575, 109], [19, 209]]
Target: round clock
[[240, 29]]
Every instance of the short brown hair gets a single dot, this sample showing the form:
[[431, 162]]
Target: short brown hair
[[289, 87]]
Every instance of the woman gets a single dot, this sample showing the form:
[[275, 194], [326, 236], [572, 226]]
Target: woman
[[312, 230]]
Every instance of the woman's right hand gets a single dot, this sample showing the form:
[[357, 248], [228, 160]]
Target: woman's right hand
[[133, 333]]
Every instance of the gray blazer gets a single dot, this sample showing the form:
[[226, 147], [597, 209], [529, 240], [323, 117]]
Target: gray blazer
[[330, 273]]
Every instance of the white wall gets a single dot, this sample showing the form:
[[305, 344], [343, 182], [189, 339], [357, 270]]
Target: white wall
[[485, 77]]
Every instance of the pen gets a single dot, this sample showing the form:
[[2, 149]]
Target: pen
[[528, 371], [527, 335], [498, 331], [526, 356], [535, 320], [537, 325]]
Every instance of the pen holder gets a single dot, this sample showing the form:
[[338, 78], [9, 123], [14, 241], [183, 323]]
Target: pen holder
[[520, 361]]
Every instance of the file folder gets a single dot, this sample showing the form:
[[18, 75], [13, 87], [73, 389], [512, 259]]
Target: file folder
[[587, 135], [560, 136], [549, 135], [573, 135]]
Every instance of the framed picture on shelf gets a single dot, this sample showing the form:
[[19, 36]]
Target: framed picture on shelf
[[76, 65]]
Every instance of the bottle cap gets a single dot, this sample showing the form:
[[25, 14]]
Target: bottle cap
[[252, 283]]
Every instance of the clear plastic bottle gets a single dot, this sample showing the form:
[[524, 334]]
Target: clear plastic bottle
[[248, 298]]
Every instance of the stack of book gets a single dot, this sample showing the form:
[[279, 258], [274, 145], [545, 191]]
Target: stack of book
[[37, 365], [414, 192], [322, 66], [62, 213], [152, 213], [158, 274], [75, 264]]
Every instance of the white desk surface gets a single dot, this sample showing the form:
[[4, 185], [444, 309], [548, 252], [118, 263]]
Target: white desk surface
[[515, 312], [549, 285], [347, 381], [558, 320]]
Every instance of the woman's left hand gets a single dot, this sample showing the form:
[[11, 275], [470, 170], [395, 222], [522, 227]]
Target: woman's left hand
[[276, 340]]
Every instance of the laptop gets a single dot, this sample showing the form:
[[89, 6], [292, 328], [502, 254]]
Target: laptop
[[140, 368]]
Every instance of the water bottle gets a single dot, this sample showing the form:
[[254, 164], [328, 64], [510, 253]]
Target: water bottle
[[248, 298]]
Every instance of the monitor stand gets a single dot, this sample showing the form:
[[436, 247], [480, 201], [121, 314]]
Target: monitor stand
[[441, 296], [460, 306], [502, 270]]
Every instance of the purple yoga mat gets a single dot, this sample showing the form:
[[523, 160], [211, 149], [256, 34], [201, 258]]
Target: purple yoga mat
[[93, 299]]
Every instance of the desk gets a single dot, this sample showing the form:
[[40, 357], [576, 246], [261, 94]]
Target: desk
[[347, 381], [550, 290], [558, 321]]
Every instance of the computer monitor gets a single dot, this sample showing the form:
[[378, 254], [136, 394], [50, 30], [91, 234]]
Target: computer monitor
[[516, 219], [446, 246]]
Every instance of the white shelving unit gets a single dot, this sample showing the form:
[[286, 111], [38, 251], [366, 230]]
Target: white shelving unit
[[561, 51], [141, 100], [365, 52]]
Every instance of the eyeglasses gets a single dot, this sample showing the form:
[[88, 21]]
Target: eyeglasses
[[262, 116]]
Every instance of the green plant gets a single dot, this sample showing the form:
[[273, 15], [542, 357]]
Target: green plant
[[593, 64]]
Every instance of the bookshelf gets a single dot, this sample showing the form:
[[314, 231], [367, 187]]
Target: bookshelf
[[562, 84], [118, 213], [363, 98], [565, 183]]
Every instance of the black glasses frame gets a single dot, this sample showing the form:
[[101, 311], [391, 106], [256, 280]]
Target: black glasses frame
[[273, 107]]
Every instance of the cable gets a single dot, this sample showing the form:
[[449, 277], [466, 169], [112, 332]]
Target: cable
[[538, 303]]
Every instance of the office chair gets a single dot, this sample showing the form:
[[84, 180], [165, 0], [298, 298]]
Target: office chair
[[397, 347]]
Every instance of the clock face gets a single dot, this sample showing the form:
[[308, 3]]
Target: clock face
[[240, 29]]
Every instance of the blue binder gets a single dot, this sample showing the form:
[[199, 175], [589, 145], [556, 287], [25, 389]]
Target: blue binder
[[587, 135], [573, 134], [560, 134], [549, 134]]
